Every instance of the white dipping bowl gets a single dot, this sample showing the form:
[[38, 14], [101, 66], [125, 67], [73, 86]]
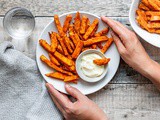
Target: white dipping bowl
[[79, 70], [151, 38]]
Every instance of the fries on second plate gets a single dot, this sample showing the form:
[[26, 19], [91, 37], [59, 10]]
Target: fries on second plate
[[103, 61]]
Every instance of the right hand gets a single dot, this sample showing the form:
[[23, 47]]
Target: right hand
[[129, 47]]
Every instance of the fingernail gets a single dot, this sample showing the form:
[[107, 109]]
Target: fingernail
[[68, 86]]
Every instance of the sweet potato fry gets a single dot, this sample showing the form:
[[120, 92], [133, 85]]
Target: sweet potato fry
[[63, 59], [56, 75], [88, 23], [152, 13], [58, 25], [94, 46], [54, 42], [102, 32], [146, 3], [143, 7], [155, 18], [94, 31], [69, 68], [66, 23], [71, 44], [59, 49], [103, 61], [107, 45], [90, 29], [153, 25], [67, 42], [95, 40], [83, 24], [73, 35], [50, 64], [54, 60], [77, 22], [62, 43], [153, 4], [100, 45], [70, 78], [77, 49], [45, 45]]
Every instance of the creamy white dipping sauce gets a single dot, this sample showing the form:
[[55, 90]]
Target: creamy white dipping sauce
[[89, 68]]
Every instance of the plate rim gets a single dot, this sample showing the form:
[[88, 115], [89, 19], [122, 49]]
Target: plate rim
[[37, 57]]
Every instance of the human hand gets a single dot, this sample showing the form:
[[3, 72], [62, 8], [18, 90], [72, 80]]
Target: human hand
[[129, 47], [82, 109]]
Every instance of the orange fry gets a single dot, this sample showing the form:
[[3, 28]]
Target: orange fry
[[66, 23], [143, 7], [107, 45], [146, 3], [63, 59], [62, 43], [77, 49], [56, 75], [83, 24], [153, 4], [153, 25], [73, 35], [71, 44], [77, 22], [102, 32], [59, 49], [58, 25], [94, 31], [152, 13], [54, 42], [155, 18], [50, 64], [45, 45], [67, 42], [70, 78], [103, 61], [94, 46], [95, 40], [54, 60], [100, 45], [88, 24], [90, 29]]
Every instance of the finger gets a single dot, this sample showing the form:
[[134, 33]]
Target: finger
[[118, 42], [116, 28], [63, 101], [74, 92], [57, 104]]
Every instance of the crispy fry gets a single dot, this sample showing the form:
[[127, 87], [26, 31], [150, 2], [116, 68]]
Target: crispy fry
[[102, 32], [45, 45], [66, 23], [70, 78], [73, 35], [50, 64], [90, 29], [83, 24], [88, 24], [155, 18], [77, 22], [54, 42], [100, 45], [59, 49], [146, 3], [152, 13], [153, 4], [63, 59], [107, 45], [95, 40], [143, 6], [62, 43], [56, 75], [69, 68], [103, 61], [77, 50], [67, 42], [54, 60], [71, 44], [94, 31], [58, 25], [153, 25]]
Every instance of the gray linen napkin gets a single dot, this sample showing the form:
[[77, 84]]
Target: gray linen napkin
[[23, 95]]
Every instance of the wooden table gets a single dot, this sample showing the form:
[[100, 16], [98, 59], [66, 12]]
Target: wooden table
[[129, 95]]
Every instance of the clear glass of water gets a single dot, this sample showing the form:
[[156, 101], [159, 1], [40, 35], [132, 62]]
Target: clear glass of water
[[19, 24]]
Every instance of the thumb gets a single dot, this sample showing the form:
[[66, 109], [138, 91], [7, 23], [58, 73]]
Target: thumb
[[74, 92]]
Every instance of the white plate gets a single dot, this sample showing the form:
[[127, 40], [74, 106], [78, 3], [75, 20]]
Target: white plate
[[84, 87], [151, 38]]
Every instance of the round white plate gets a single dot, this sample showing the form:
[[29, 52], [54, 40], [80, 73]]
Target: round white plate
[[151, 38], [84, 87]]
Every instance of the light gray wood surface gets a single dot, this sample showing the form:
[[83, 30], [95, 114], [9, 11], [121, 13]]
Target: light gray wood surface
[[129, 95]]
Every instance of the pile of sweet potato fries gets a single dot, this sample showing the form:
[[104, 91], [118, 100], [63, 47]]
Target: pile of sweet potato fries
[[69, 42], [148, 15]]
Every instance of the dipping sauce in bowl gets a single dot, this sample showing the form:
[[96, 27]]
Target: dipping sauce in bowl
[[89, 68]]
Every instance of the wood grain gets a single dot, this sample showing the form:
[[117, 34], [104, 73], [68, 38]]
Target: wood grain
[[50, 7]]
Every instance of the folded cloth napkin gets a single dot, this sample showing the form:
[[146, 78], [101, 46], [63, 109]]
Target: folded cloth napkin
[[23, 95]]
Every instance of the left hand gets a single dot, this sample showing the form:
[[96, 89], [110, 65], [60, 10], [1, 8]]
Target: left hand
[[82, 109]]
